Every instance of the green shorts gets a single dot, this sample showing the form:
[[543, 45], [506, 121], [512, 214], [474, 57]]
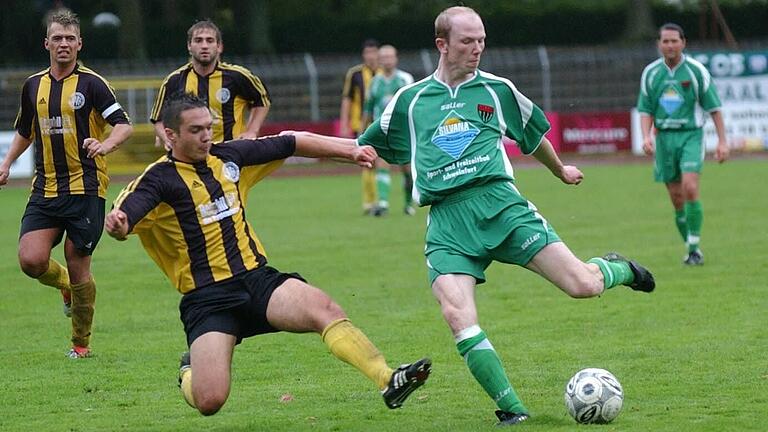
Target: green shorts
[[474, 227], [678, 152]]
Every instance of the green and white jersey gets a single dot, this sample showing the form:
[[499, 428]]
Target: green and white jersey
[[383, 89], [677, 98], [452, 137]]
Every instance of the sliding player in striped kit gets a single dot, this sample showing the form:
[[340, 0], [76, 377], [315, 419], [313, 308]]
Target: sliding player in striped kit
[[187, 208]]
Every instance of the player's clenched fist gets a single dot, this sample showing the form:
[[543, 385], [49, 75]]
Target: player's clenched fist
[[116, 224]]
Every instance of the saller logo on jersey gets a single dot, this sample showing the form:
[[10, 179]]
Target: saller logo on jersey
[[485, 112], [454, 135]]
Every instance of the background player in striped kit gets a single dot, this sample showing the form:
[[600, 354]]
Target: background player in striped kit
[[356, 82], [66, 110], [239, 101]]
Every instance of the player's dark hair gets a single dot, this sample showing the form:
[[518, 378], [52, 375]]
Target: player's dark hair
[[204, 24], [673, 27], [370, 43], [176, 104]]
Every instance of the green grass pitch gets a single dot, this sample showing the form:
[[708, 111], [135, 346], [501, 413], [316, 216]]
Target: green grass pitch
[[691, 356]]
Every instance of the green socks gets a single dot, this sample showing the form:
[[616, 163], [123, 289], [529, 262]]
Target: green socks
[[614, 272], [383, 181], [694, 217], [486, 367], [681, 223]]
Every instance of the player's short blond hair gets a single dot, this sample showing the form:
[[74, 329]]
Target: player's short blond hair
[[63, 17], [443, 20]]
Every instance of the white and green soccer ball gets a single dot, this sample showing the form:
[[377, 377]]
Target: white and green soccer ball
[[594, 396]]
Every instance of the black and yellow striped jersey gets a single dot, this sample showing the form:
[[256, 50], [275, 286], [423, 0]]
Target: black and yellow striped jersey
[[231, 92], [190, 217], [58, 116], [356, 84]]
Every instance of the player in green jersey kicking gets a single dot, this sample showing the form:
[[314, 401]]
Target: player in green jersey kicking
[[675, 90], [383, 87], [449, 126]]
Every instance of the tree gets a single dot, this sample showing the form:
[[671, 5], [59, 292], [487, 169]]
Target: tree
[[131, 35], [639, 24], [253, 17]]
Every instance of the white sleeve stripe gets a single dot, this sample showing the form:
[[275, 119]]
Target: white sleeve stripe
[[644, 77], [110, 109], [694, 81], [706, 78], [525, 104], [386, 116]]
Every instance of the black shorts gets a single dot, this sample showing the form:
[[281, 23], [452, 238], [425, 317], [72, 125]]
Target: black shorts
[[81, 216], [237, 306]]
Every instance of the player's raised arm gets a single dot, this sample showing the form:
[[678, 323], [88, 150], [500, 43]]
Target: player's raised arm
[[313, 145]]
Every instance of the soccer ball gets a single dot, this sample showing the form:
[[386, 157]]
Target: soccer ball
[[594, 396]]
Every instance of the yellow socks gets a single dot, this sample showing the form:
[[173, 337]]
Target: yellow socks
[[56, 276], [186, 386], [369, 188], [350, 345], [83, 301]]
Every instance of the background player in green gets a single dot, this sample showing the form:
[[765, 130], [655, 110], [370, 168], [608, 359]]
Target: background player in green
[[66, 111], [674, 90], [450, 126], [188, 211], [383, 87]]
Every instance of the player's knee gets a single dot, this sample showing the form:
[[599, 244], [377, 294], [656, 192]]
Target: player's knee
[[333, 311], [32, 266], [584, 286], [327, 310], [209, 403], [691, 193]]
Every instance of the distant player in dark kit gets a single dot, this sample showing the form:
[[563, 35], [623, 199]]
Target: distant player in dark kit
[[356, 82]]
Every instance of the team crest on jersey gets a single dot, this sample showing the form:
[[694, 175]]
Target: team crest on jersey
[[485, 112], [223, 95], [231, 171], [77, 100], [671, 100], [454, 134]]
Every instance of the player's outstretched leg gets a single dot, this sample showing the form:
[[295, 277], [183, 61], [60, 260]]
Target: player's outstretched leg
[[404, 381]]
